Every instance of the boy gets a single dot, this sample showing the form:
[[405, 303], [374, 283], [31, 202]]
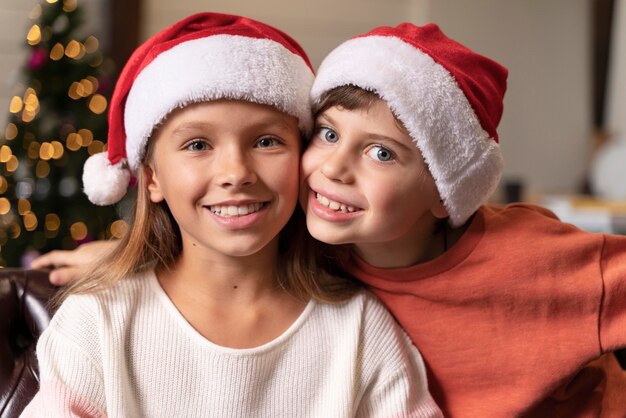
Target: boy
[[507, 305]]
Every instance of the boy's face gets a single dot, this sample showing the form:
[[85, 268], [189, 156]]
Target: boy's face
[[364, 182], [228, 171]]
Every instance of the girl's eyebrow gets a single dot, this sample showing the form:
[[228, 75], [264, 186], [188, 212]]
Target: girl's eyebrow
[[265, 123], [187, 127]]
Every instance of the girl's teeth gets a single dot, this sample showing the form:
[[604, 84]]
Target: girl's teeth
[[232, 210]]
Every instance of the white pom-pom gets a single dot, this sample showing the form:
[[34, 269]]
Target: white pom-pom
[[104, 183]]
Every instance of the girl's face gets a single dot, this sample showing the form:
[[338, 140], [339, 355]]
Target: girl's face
[[364, 182], [228, 171]]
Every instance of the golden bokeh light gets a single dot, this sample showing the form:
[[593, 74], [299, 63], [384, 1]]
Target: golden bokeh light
[[31, 101], [97, 104], [119, 228], [95, 147], [5, 153], [75, 50], [78, 231], [94, 82], [5, 206], [96, 59], [91, 44], [72, 142], [16, 104], [12, 164], [46, 151], [75, 91], [57, 52], [53, 222], [33, 150], [30, 221], [4, 185], [15, 231], [28, 115], [69, 5], [86, 137], [57, 150], [11, 131], [34, 35], [42, 169], [87, 87], [23, 206], [51, 1]]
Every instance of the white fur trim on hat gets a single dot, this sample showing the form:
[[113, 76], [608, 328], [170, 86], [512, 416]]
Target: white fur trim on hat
[[104, 183], [465, 163], [215, 67]]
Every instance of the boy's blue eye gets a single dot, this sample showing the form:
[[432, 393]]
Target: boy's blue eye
[[380, 153], [329, 135]]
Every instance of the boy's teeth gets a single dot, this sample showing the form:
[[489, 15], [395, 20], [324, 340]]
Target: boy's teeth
[[232, 210], [332, 205]]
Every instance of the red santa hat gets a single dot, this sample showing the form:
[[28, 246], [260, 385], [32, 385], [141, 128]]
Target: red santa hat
[[207, 56], [448, 97]]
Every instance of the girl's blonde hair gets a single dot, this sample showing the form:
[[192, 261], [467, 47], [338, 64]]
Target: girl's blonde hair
[[306, 268]]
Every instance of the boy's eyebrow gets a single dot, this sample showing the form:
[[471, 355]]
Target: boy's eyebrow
[[378, 137]]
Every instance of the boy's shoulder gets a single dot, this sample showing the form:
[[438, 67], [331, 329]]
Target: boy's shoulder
[[518, 210]]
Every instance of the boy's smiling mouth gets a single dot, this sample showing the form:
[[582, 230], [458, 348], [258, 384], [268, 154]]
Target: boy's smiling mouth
[[334, 205]]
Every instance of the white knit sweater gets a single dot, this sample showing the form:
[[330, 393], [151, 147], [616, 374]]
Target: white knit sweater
[[128, 352]]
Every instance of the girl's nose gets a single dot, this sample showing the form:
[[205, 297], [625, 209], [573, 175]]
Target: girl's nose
[[235, 170]]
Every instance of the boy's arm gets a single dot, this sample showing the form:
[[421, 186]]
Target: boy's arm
[[70, 265], [612, 321]]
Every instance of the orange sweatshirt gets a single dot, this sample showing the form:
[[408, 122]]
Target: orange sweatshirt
[[512, 313]]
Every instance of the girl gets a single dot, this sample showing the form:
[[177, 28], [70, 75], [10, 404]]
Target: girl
[[212, 305]]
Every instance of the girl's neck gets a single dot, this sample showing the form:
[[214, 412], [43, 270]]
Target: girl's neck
[[232, 301]]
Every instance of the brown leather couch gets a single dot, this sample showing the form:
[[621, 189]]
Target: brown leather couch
[[24, 314]]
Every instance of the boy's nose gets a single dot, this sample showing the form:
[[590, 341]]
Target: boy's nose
[[337, 166]]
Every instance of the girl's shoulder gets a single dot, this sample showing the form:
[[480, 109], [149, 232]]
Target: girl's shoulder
[[81, 313], [365, 314]]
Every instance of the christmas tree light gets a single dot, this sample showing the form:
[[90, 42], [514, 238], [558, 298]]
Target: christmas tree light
[[57, 118]]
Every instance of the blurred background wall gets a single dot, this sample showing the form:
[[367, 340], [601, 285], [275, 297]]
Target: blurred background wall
[[547, 131]]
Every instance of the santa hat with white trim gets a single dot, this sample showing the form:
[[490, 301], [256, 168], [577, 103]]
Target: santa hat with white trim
[[448, 97], [207, 56]]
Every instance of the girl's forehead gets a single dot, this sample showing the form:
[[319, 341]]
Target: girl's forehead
[[224, 110]]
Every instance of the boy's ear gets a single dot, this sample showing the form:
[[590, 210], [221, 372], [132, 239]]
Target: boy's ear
[[152, 183], [438, 210]]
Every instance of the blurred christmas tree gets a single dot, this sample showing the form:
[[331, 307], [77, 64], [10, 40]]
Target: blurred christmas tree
[[56, 121]]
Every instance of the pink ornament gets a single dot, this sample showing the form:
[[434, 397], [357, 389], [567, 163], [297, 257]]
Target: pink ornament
[[37, 59]]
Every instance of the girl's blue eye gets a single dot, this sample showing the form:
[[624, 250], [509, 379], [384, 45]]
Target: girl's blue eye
[[197, 145], [380, 153], [266, 142], [328, 135]]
